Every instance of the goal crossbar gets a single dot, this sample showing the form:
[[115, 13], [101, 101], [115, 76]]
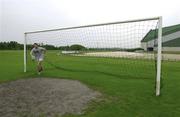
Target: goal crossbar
[[102, 24]]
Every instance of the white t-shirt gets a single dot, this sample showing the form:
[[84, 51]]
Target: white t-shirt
[[38, 52]]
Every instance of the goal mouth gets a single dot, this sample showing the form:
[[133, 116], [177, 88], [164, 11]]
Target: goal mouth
[[138, 42]]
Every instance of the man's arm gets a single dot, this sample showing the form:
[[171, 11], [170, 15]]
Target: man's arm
[[32, 55], [43, 49]]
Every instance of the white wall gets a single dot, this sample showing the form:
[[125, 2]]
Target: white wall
[[144, 46]]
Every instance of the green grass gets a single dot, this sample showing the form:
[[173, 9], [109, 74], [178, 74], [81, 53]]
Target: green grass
[[127, 85]]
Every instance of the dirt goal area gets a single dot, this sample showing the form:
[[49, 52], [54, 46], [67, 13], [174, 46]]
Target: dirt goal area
[[46, 97]]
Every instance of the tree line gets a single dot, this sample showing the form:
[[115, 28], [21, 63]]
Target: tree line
[[13, 45]]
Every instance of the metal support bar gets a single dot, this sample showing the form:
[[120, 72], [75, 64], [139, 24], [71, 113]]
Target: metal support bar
[[25, 52], [159, 56]]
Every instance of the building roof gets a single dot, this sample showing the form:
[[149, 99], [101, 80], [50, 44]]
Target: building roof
[[172, 43], [152, 34]]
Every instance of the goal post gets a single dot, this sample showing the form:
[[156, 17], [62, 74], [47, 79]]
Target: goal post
[[129, 41], [25, 52], [159, 57]]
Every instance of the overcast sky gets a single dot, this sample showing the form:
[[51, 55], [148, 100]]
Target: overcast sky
[[19, 16]]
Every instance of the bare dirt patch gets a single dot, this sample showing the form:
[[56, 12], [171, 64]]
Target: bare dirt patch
[[133, 55], [45, 97]]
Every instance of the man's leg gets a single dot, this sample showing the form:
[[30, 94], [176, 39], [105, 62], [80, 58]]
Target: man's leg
[[39, 67]]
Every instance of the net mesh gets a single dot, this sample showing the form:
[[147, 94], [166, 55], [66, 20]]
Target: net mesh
[[123, 50]]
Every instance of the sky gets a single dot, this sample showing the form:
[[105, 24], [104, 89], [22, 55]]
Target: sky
[[19, 16]]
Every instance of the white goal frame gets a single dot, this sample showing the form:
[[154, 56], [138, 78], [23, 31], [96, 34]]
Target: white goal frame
[[159, 48]]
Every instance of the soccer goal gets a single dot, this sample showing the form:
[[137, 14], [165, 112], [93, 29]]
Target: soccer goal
[[132, 47]]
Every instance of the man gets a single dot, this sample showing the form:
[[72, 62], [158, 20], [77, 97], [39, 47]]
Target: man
[[37, 53]]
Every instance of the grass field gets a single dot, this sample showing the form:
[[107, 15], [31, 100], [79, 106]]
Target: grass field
[[127, 86]]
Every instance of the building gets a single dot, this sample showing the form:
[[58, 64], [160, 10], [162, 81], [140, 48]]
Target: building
[[170, 39]]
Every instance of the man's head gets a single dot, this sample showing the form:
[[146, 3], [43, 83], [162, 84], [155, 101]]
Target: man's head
[[35, 45]]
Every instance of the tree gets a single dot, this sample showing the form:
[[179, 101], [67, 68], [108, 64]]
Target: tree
[[77, 47]]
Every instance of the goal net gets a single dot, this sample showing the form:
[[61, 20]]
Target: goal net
[[127, 49]]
